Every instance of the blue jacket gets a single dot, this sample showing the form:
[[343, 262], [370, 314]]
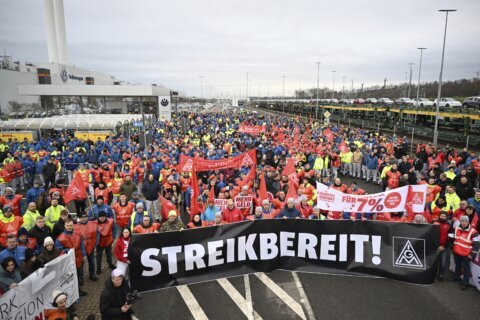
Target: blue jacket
[[33, 194], [475, 204], [18, 253], [209, 214], [372, 162], [93, 213]]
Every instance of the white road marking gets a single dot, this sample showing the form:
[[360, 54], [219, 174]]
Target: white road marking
[[192, 303], [303, 297], [248, 295], [238, 299], [285, 297]]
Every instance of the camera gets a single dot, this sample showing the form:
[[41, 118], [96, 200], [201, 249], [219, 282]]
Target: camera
[[133, 297]]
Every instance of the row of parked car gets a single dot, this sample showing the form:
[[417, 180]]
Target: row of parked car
[[471, 102]]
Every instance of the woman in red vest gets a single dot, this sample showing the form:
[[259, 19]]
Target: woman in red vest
[[121, 250], [105, 229]]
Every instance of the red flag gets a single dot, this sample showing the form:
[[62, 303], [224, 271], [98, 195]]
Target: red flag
[[329, 135], [250, 177], [296, 133], [291, 172], [262, 192], [167, 206], [76, 190], [342, 147], [211, 195], [195, 192], [292, 191]]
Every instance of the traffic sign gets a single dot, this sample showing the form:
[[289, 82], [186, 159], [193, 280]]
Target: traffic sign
[[327, 114]]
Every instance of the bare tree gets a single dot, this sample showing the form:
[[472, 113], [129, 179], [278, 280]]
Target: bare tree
[[15, 106]]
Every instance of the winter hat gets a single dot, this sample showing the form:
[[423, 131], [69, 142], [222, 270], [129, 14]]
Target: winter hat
[[57, 294], [29, 253], [172, 213], [218, 214], [117, 273], [47, 241], [21, 232]]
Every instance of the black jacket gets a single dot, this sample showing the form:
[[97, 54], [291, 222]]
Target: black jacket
[[58, 228], [150, 190], [49, 170], [112, 300], [40, 234]]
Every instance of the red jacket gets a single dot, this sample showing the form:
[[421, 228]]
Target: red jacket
[[232, 215], [443, 230], [14, 203], [306, 211], [121, 249], [89, 232]]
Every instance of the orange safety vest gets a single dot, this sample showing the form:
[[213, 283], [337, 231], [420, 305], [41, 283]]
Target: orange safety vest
[[462, 245], [13, 203], [9, 228], [393, 179], [72, 241], [104, 193], [89, 233], [106, 233], [123, 213], [140, 229], [115, 185]]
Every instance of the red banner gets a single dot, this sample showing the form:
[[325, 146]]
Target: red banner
[[187, 163], [243, 128]]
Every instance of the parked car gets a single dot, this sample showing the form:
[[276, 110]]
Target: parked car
[[359, 101], [422, 102], [471, 102], [371, 101], [403, 101], [384, 101], [447, 103]]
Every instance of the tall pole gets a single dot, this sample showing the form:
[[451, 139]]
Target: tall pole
[[405, 87], [343, 88], [201, 86], [351, 90], [246, 93], [437, 108], [283, 94], [333, 90], [419, 72], [410, 82], [318, 83]]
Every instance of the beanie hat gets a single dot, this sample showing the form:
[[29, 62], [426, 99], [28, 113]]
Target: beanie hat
[[47, 241], [117, 273], [172, 213], [21, 232], [56, 294]]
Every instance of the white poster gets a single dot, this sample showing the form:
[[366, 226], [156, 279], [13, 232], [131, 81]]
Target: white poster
[[34, 294], [388, 201], [164, 108]]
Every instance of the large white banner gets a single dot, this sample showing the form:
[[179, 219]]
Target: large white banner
[[164, 108], [474, 267], [34, 294], [388, 201]]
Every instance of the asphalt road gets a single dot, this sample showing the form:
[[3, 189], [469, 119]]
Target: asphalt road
[[329, 297]]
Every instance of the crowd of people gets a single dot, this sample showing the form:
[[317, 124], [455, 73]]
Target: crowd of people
[[130, 189]]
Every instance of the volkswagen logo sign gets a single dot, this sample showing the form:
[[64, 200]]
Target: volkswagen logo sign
[[64, 75], [164, 102]]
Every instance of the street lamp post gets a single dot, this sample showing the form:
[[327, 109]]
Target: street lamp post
[[201, 86], [437, 108], [333, 90], [419, 72], [343, 88], [246, 93], [410, 82], [283, 94], [318, 82]]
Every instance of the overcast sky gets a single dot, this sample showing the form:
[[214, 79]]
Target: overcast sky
[[174, 42]]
